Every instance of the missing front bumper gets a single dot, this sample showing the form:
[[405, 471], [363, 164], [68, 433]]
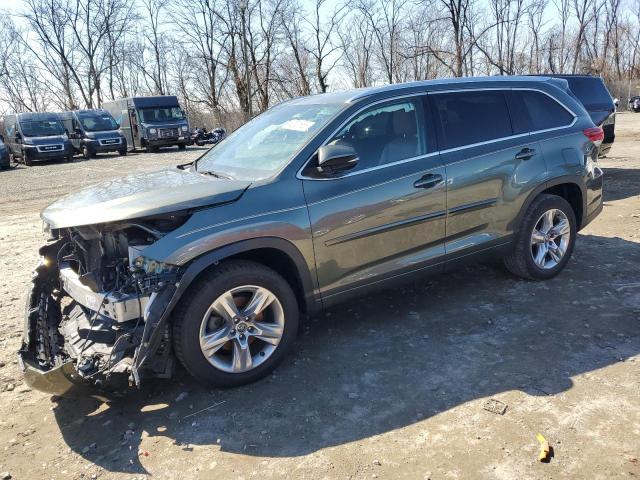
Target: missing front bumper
[[61, 380]]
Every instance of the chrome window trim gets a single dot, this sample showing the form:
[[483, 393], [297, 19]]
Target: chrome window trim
[[300, 176]]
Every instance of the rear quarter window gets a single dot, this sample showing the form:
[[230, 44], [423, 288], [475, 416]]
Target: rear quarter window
[[465, 118], [534, 111]]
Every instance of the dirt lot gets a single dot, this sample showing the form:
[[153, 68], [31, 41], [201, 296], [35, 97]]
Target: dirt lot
[[387, 387]]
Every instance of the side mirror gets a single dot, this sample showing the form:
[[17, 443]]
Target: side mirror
[[334, 159], [77, 131], [18, 137]]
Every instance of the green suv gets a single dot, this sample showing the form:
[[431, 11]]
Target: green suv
[[312, 202]]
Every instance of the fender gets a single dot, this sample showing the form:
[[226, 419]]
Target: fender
[[199, 264], [571, 179], [159, 310]]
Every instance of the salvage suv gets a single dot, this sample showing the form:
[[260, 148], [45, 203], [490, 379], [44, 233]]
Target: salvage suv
[[318, 199]]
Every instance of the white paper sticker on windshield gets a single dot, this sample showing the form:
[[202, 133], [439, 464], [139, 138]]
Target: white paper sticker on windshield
[[298, 125]]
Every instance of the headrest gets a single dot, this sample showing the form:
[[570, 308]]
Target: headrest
[[404, 123]]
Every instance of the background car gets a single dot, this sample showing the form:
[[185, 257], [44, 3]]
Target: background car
[[5, 161]]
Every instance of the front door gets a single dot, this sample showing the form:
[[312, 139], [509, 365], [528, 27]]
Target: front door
[[386, 217]]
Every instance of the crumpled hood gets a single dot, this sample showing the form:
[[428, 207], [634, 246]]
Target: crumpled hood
[[141, 195]]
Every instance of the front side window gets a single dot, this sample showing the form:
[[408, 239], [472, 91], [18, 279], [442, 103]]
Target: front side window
[[385, 134], [267, 143], [92, 122], [41, 128], [161, 114], [466, 118]]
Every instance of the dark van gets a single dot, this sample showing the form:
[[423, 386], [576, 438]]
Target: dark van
[[93, 131], [597, 101], [151, 122], [33, 137]]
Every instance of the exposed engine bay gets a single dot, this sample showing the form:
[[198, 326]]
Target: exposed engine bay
[[97, 303]]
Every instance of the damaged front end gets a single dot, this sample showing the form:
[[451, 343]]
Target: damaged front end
[[97, 308]]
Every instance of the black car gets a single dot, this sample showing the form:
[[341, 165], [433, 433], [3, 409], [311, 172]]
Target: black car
[[4, 155], [593, 94], [93, 131], [33, 137]]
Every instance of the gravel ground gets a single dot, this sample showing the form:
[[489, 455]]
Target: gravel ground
[[392, 386]]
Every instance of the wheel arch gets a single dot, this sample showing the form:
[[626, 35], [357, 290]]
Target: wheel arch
[[275, 253], [568, 187]]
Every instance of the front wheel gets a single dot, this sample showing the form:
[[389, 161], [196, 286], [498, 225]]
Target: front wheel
[[182, 146], [236, 324], [545, 240]]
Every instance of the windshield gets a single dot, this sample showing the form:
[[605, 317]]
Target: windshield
[[161, 114], [94, 122], [263, 146], [41, 128]]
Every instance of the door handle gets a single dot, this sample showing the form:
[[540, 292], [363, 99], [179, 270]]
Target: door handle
[[525, 154], [430, 180]]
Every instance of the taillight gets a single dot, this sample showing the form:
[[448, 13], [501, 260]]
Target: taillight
[[595, 134]]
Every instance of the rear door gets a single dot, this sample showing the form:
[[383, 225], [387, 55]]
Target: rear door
[[549, 122], [489, 168], [387, 216]]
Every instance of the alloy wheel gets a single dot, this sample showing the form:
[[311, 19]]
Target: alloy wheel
[[242, 328], [550, 239]]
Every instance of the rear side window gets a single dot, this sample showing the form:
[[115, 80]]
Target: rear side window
[[465, 118], [532, 111]]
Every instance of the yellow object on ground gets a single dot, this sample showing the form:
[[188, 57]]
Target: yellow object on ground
[[544, 448]]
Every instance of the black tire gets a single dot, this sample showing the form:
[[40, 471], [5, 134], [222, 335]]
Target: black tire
[[190, 311], [122, 152], [68, 158], [199, 143], [182, 146], [27, 161], [86, 152], [520, 262], [151, 149]]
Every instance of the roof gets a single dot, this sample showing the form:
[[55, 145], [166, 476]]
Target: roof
[[155, 101], [26, 116], [349, 96]]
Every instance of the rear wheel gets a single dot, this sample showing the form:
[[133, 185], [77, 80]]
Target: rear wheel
[[151, 149], [236, 324], [182, 146], [545, 240]]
